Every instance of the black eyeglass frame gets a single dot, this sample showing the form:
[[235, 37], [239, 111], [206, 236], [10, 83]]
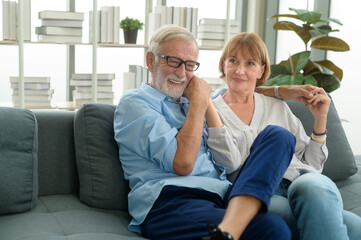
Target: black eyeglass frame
[[180, 62]]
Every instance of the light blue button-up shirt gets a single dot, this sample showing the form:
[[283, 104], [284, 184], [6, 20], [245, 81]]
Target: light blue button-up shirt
[[146, 123]]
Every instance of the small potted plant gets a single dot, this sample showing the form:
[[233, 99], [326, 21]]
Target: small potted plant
[[130, 28]]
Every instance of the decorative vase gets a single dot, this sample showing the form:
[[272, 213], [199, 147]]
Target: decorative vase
[[130, 36]]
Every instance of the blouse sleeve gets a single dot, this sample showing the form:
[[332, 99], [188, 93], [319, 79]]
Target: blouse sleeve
[[309, 152], [224, 149]]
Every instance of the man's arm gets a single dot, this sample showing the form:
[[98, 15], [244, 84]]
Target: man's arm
[[189, 137], [300, 93]]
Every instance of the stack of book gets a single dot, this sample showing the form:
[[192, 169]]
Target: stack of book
[[83, 88], [37, 92], [212, 31], [180, 16], [108, 22], [60, 26], [10, 20], [135, 77]]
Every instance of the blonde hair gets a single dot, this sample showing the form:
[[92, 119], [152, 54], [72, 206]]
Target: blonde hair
[[169, 32], [254, 45]]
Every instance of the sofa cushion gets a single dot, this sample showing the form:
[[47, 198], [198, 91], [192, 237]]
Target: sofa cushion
[[341, 161], [18, 160], [101, 178]]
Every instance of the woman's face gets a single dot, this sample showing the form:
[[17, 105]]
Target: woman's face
[[242, 71]]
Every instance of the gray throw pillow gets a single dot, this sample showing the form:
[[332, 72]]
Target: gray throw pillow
[[341, 161], [18, 160], [101, 180]]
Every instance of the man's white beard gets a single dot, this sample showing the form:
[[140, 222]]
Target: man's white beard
[[160, 83]]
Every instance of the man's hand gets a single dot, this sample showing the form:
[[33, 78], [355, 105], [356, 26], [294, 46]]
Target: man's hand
[[198, 90], [299, 93]]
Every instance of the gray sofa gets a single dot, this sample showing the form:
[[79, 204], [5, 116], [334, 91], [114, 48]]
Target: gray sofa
[[60, 177]]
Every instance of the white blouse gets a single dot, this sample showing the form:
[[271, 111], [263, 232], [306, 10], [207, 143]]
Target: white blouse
[[232, 152]]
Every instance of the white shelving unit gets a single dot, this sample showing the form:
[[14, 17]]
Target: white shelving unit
[[95, 45]]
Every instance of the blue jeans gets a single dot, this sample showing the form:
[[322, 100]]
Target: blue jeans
[[183, 213], [313, 209]]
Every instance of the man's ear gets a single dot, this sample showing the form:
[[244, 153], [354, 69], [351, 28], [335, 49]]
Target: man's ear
[[150, 60]]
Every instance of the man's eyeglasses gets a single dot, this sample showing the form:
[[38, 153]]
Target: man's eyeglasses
[[177, 62]]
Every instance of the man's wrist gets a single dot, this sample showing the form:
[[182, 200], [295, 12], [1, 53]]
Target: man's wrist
[[276, 92]]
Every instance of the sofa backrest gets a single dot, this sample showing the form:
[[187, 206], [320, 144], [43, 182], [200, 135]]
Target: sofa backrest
[[56, 154], [340, 163]]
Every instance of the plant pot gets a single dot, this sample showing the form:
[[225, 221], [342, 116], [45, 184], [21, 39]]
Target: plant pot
[[130, 36]]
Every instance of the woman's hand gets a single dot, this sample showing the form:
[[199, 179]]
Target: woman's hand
[[319, 103]]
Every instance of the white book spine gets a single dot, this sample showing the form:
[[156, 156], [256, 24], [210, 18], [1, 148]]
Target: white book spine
[[103, 24], [189, 19], [194, 21], [169, 15], [128, 81], [65, 15], [64, 31], [31, 79], [110, 23], [6, 19], [176, 16], [116, 24], [27, 20], [12, 20]]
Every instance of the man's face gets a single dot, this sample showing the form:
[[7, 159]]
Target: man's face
[[169, 80]]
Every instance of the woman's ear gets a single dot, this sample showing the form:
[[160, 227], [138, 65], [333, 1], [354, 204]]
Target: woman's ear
[[150, 60], [262, 71]]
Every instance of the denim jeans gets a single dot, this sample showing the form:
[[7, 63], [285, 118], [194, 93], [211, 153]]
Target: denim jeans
[[313, 209]]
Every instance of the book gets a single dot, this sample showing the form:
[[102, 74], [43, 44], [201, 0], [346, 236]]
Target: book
[[31, 85], [217, 21], [211, 42], [128, 81], [6, 19], [216, 28], [88, 95], [31, 79], [89, 82], [162, 10], [91, 26], [89, 88], [188, 18], [176, 16], [35, 92], [64, 15], [116, 24], [27, 20], [88, 76], [154, 23], [33, 98], [169, 15], [103, 24], [36, 104], [67, 31], [110, 24], [59, 38], [194, 26], [61, 23], [213, 35], [12, 20]]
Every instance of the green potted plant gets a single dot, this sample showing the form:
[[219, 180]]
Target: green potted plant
[[130, 28], [300, 68]]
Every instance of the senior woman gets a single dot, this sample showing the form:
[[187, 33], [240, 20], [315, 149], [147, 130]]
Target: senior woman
[[308, 201]]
